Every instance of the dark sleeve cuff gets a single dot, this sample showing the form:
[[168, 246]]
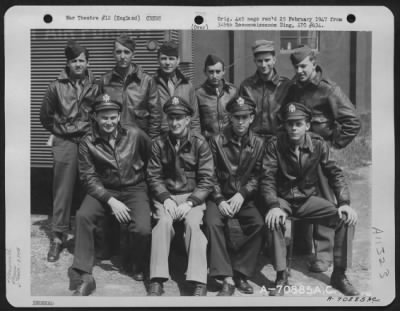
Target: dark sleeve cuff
[[273, 205], [219, 199], [163, 196], [105, 197], [243, 191], [346, 202]]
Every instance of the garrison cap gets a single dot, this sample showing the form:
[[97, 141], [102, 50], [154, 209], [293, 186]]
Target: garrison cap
[[177, 105], [169, 48], [105, 102], [296, 111], [241, 105], [211, 60], [126, 41], [74, 49], [262, 46], [300, 53]]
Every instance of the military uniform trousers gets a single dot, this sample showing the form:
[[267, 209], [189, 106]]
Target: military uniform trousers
[[65, 170], [195, 242], [224, 260], [318, 211], [90, 215]]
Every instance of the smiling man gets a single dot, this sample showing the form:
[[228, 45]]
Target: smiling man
[[289, 186], [180, 177], [65, 114], [213, 96], [237, 154], [266, 89], [172, 82], [112, 165], [136, 90]]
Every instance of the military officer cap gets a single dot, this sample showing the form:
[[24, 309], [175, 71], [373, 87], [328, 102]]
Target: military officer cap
[[241, 106], [74, 49], [211, 60], [300, 53], [105, 102], [296, 111], [169, 48], [177, 105], [126, 41], [262, 46]]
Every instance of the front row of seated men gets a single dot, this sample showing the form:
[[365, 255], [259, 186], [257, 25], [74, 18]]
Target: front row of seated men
[[191, 180]]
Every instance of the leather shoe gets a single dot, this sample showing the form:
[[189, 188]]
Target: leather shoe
[[319, 266], [87, 286], [54, 251], [74, 278], [155, 289], [227, 289], [280, 283], [340, 282], [243, 286], [200, 289]]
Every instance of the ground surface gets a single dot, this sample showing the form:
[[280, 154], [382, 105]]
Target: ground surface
[[50, 279]]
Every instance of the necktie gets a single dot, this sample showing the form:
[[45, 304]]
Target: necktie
[[178, 143], [171, 87]]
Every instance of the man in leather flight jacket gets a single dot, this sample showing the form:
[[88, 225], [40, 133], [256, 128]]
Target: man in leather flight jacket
[[334, 118], [213, 96], [112, 165], [172, 82], [237, 154], [136, 90], [289, 186], [180, 177], [266, 88], [65, 112]]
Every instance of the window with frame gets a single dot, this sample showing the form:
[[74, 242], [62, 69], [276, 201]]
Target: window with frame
[[290, 39]]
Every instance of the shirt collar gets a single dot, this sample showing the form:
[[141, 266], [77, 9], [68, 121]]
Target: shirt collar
[[306, 145], [97, 138], [134, 71], [230, 137], [257, 79], [211, 89], [184, 140]]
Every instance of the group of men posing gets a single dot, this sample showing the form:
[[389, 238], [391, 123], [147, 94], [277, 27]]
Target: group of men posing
[[156, 147]]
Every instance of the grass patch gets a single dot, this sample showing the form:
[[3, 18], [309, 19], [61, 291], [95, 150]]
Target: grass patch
[[358, 152]]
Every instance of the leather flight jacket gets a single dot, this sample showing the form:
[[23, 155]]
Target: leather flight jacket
[[189, 169], [212, 107], [295, 178], [65, 113], [138, 94], [268, 97], [334, 116], [183, 89], [238, 163], [103, 167]]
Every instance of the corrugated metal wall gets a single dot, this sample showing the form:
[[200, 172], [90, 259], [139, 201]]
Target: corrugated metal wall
[[47, 61]]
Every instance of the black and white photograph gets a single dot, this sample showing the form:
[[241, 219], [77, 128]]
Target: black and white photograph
[[237, 155]]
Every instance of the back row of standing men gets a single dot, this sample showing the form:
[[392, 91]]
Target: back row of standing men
[[160, 106]]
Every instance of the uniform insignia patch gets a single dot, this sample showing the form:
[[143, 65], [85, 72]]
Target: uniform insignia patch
[[106, 98], [175, 101], [292, 108], [240, 101]]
